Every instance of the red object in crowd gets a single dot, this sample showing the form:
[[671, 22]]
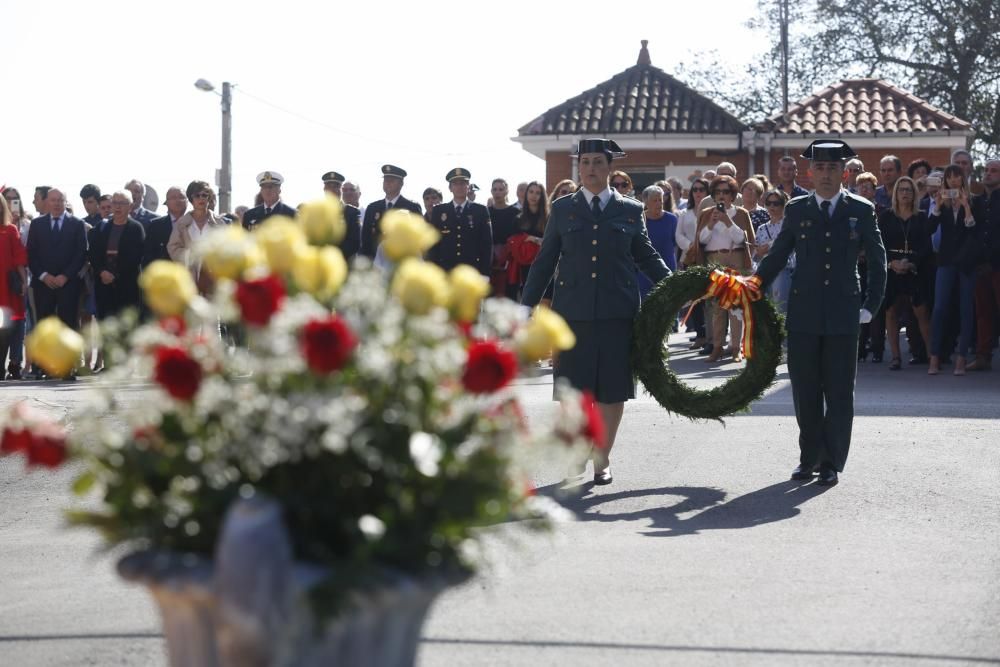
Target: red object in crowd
[[327, 344], [12, 256], [177, 372], [489, 367], [521, 252], [594, 428], [173, 324], [260, 299]]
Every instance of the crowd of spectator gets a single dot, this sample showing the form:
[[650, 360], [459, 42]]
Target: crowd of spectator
[[940, 227]]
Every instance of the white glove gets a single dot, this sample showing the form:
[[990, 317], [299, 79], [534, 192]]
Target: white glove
[[865, 316]]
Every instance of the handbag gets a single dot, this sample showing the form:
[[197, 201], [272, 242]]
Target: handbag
[[14, 282]]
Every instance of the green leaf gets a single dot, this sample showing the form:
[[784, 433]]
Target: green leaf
[[84, 483]]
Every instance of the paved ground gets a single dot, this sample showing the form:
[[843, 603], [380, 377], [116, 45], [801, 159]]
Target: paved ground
[[700, 553]]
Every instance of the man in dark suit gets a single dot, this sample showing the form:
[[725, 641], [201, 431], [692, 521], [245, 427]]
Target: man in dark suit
[[598, 239], [826, 229], [159, 230], [57, 251], [270, 193], [351, 243], [465, 228], [392, 185], [139, 212]]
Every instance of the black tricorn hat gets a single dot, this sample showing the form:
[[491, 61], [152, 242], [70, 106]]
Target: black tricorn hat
[[333, 177], [828, 150], [606, 146], [393, 170]]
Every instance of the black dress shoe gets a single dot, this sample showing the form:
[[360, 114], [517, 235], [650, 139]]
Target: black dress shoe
[[877, 357], [803, 472], [707, 349], [919, 361], [603, 477], [827, 477]]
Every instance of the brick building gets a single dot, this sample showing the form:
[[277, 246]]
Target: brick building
[[668, 129]]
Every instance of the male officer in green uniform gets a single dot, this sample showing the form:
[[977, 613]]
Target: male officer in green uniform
[[826, 229], [597, 238], [465, 228]]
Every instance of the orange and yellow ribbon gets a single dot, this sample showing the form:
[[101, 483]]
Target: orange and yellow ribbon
[[733, 289]]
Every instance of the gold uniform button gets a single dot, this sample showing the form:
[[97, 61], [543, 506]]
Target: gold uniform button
[[828, 235], [828, 250], [828, 266], [595, 226], [594, 258], [593, 275], [594, 242], [803, 236], [826, 282]]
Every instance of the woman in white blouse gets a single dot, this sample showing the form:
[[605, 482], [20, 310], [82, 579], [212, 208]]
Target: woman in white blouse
[[725, 235], [775, 201]]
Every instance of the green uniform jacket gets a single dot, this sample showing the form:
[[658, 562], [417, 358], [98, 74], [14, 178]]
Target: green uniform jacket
[[597, 259], [826, 294]]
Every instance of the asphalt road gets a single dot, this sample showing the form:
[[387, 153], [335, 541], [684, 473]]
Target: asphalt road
[[702, 552]]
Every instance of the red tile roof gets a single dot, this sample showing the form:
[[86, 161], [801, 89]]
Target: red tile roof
[[640, 100], [864, 106]]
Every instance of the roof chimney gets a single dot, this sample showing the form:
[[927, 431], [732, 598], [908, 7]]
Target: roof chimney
[[644, 54]]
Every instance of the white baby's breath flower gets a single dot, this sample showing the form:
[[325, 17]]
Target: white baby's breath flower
[[426, 451], [372, 527]]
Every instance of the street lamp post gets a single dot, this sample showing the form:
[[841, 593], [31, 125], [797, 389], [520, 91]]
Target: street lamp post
[[224, 179]]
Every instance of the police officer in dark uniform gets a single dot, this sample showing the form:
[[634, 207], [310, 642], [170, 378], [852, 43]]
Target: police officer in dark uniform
[[598, 238], [826, 229], [270, 191], [466, 232], [351, 243], [392, 185]]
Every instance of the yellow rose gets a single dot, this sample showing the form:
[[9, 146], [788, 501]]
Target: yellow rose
[[468, 287], [54, 346], [406, 234], [323, 220], [420, 286], [319, 271], [167, 287], [545, 332], [280, 239], [228, 251]]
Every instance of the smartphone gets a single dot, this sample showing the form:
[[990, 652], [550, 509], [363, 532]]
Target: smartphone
[[934, 181], [950, 194], [15, 207], [720, 206]]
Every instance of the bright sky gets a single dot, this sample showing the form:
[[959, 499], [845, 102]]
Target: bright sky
[[102, 91]]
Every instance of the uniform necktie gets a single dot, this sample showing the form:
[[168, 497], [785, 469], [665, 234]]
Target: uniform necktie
[[825, 206], [267, 210], [595, 206], [388, 205], [458, 211]]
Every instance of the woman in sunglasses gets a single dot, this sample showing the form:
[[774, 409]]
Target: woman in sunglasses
[[725, 235], [774, 202], [687, 227], [622, 183], [189, 228]]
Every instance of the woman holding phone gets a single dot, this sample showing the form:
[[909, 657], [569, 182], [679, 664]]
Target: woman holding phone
[[21, 220], [13, 281]]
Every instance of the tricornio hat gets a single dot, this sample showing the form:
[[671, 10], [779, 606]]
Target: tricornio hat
[[269, 178], [828, 150], [393, 170], [333, 177], [606, 146], [458, 173]]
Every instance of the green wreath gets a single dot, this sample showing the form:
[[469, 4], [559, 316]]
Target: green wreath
[[650, 355]]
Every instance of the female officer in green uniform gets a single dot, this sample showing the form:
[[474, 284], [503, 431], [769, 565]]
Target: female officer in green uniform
[[597, 238], [826, 229]]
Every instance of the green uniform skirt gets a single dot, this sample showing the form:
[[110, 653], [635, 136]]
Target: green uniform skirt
[[601, 360]]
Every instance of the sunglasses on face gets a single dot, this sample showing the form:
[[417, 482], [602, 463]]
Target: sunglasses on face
[[202, 195], [774, 203], [698, 190], [722, 191], [619, 184], [907, 191]]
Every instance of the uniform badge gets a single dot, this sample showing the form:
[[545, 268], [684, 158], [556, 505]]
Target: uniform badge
[[853, 222], [444, 216], [377, 215]]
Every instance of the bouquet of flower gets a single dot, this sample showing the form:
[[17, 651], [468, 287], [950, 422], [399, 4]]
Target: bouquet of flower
[[375, 407]]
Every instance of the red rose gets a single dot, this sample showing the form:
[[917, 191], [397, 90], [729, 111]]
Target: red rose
[[327, 344], [14, 441], [48, 447], [259, 299], [593, 428], [177, 372], [488, 368]]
